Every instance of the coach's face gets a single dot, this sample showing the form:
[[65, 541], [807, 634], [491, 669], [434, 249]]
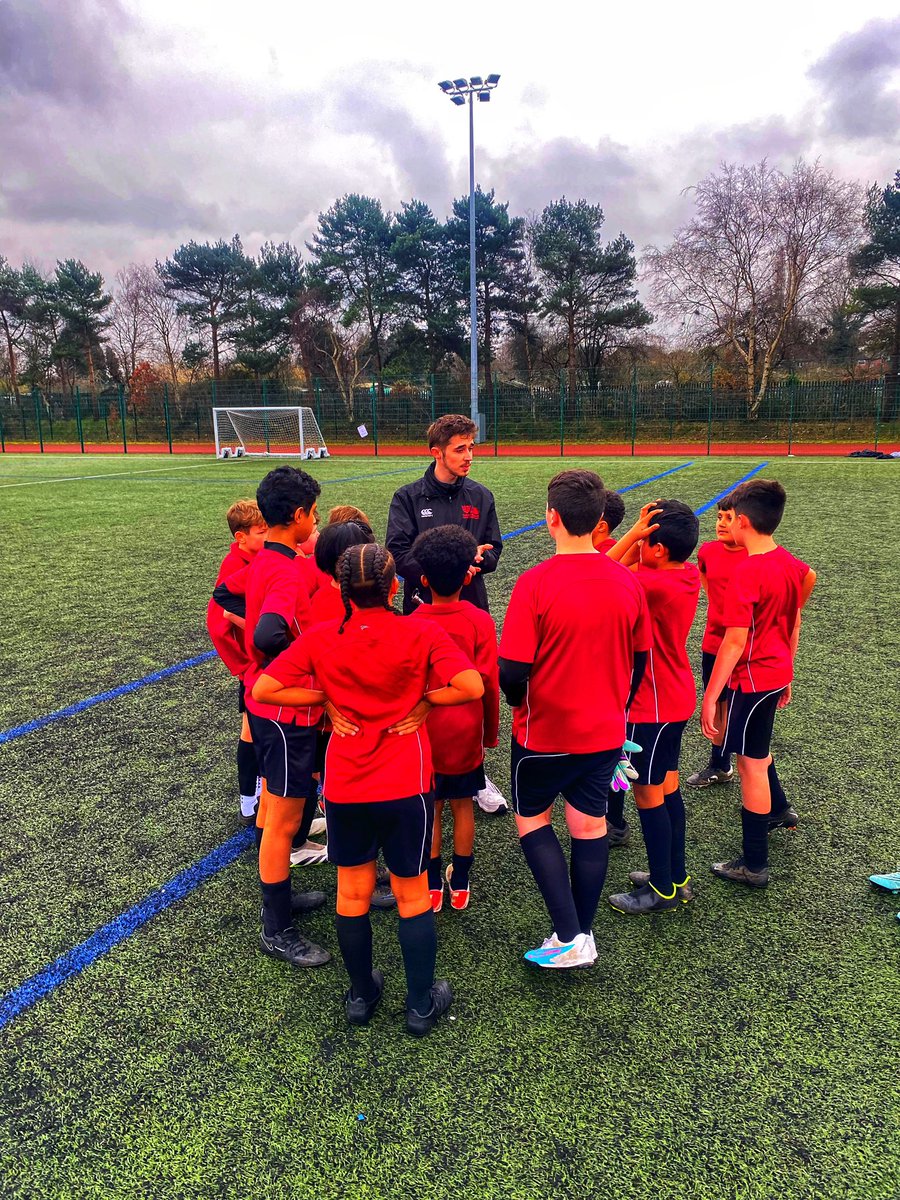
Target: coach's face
[[455, 459]]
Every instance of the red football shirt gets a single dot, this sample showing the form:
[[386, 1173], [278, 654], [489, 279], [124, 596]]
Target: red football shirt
[[765, 599], [459, 734], [718, 563], [276, 583], [667, 691], [606, 545], [313, 578], [578, 618], [375, 673], [227, 639], [326, 605]]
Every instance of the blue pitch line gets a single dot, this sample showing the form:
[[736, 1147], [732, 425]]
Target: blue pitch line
[[629, 488], [87, 952], [17, 731], [721, 496], [71, 710], [45, 982]]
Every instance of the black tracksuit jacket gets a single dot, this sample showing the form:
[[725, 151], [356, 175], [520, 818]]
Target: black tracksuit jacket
[[428, 503]]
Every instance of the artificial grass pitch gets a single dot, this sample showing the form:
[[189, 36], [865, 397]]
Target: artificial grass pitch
[[743, 1047]]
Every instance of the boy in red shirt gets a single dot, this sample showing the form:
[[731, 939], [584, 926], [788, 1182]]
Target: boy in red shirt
[[613, 516], [277, 610], [458, 735], [662, 706], [226, 633], [574, 645], [372, 669], [717, 562], [756, 662]]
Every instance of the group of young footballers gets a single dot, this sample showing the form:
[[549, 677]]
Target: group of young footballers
[[383, 719]]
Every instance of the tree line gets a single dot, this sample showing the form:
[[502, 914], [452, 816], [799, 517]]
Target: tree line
[[772, 266]]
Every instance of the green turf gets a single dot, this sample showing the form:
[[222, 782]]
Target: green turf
[[746, 1047]]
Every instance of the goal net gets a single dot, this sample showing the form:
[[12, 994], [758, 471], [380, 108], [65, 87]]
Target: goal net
[[282, 432]]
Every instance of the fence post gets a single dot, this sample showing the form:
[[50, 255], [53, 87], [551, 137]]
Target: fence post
[[37, 416], [79, 422], [2, 438], [375, 418], [709, 408], [432, 397], [167, 415], [122, 419], [265, 392], [878, 397], [562, 414], [317, 389], [496, 428], [790, 419], [633, 405]]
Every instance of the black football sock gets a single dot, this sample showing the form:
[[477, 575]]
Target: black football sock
[[756, 839], [675, 809], [657, 830], [615, 808], [459, 876], [719, 760], [435, 878], [779, 799], [418, 944], [257, 836], [276, 906], [309, 812], [545, 857], [246, 768], [590, 858], [354, 936]]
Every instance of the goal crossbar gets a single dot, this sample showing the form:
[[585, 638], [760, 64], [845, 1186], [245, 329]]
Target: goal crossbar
[[282, 431]]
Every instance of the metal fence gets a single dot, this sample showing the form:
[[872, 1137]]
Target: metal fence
[[699, 415]]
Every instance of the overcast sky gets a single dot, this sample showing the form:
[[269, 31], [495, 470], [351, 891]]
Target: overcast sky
[[129, 126]]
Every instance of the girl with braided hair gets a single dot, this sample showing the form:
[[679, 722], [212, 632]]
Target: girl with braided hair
[[371, 670]]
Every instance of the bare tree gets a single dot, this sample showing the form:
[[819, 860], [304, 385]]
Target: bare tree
[[169, 329], [762, 244], [129, 325]]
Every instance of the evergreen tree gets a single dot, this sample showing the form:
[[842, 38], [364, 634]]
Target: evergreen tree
[[82, 303], [428, 287], [877, 264], [207, 282]]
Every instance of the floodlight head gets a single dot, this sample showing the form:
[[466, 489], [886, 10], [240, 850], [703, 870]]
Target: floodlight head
[[493, 80], [484, 95], [445, 85], [458, 99], [460, 83], [476, 81]]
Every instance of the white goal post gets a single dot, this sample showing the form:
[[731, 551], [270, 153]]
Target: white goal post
[[279, 432]]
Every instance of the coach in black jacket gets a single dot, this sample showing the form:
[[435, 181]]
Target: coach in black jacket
[[445, 495]]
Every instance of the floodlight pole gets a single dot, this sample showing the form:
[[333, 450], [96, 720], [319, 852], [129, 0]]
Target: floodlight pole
[[473, 291], [460, 90]]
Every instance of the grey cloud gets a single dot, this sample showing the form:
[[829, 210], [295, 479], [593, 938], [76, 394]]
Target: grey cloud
[[858, 79], [68, 50]]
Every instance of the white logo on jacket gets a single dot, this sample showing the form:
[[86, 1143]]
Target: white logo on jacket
[[426, 512]]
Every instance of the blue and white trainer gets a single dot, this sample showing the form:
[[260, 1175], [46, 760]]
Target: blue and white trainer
[[580, 952], [890, 882]]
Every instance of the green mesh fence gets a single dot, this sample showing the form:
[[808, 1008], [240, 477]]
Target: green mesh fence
[[638, 416]]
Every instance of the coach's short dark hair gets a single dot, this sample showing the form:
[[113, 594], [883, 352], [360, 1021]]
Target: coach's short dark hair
[[580, 498], [445, 554], [444, 429], [283, 491], [761, 501], [337, 537], [679, 529], [613, 511]]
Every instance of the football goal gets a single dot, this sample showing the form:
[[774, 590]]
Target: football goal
[[282, 432]]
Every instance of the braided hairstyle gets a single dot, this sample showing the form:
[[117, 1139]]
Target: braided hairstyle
[[365, 574]]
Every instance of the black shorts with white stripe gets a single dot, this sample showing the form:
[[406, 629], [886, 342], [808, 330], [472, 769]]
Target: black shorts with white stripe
[[287, 755], [581, 779], [751, 717], [660, 743], [399, 828]]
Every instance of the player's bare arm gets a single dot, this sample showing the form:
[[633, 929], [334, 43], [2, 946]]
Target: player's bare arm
[[730, 651], [463, 687], [626, 549]]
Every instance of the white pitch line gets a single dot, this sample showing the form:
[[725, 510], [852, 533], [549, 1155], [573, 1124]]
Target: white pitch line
[[104, 475]]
